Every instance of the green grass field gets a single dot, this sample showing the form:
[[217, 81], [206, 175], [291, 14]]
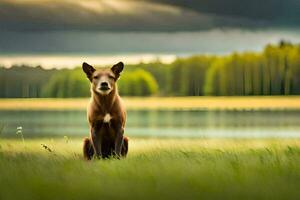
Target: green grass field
[[154, 169]]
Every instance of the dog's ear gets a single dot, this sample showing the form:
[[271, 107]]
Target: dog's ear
[[88, 70], [117, 69]]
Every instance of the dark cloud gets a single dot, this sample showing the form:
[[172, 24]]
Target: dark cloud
[[151, 15], [273, 12]]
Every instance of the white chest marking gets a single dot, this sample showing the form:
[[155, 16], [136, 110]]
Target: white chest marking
[[107, 118]]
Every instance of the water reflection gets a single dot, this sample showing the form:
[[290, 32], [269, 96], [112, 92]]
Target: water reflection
[[160, 123]]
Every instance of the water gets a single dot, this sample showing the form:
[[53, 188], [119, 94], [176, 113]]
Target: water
[[208, 124]]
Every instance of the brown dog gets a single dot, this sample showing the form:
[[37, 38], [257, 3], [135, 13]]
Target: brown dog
[[106, 114]]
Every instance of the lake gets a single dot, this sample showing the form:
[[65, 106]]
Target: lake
[[158, 123]]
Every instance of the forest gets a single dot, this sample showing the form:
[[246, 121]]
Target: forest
[[274, 71]]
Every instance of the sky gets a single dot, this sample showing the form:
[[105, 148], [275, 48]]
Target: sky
[[156, 27], [147, 15]]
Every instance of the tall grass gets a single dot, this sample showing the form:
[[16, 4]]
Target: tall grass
[[154, 169]]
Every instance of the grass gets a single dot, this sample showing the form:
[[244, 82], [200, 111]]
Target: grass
[[154, 169], [136, 103]]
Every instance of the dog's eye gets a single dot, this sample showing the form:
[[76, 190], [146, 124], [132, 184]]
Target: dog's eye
[[111, 77], [95, 77]]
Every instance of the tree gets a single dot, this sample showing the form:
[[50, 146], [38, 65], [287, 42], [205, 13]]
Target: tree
[[137, 83]]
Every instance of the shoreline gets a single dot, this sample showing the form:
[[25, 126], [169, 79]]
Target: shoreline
[[161, 103]]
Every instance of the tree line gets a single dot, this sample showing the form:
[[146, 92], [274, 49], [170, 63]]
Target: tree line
[[275, 71]]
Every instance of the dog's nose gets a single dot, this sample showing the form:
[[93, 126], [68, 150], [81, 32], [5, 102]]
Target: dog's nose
[[104, 84]]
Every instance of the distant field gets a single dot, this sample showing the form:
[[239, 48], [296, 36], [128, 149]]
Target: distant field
[[188, 103], [154, 169]]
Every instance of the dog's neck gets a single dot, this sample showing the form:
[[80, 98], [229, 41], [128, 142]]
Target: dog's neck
[[104, 102]]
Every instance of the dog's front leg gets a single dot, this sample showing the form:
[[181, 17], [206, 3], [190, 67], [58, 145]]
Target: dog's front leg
[[119, 142], [96, 141]]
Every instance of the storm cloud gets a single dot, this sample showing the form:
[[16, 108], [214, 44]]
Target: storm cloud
[[147, 15], [271, 12], [145, 26]]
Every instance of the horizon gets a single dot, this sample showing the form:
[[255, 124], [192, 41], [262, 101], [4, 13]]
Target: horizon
[[155, 47], [131, 28]]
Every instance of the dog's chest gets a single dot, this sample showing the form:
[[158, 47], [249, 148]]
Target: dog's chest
[[107, 130], [107, 118]]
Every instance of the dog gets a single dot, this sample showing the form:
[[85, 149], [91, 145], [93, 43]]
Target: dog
[[105, 113]]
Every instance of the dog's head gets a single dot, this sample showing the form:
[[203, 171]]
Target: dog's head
[[103, 81]]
